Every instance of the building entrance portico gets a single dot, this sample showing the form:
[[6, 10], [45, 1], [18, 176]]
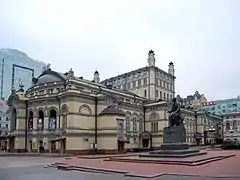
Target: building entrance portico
[[146, 139], [58, 145]]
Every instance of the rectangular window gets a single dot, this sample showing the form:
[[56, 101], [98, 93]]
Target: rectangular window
[[145, 93], [157, 93], [160, 94], [50, 91], [167, 97], [124, 86], [139, 82], [134, 84], [129, 85], [145, 81]]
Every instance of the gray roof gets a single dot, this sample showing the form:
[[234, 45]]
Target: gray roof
[[49, 76], [112, 110]]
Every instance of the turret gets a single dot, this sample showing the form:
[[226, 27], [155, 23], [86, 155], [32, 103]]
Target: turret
[[171, 69], [96, 78], [151, 58], [70, 73]]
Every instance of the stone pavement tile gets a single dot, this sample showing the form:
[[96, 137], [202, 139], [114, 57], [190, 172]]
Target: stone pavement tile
[[228, 166], [180, 177]]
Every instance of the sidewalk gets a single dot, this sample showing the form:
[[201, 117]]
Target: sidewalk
[[51, 155]]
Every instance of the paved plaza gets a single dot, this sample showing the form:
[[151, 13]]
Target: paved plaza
[[26, 168]]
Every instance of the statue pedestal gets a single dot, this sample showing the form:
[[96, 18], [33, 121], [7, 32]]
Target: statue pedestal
[[174, 138], [174, 144]]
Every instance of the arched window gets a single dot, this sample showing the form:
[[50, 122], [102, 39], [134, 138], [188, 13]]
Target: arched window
[[227, 126], [134, 124], [235, 126], [52, 121], [40, 120], [128, 126], [30, 120]]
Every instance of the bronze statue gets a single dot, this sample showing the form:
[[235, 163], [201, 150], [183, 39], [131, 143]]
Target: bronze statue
[[174, 114]]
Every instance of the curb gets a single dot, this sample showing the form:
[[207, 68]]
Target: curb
[[65, 167]]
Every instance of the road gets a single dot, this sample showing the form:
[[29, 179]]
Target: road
[[32, 168]]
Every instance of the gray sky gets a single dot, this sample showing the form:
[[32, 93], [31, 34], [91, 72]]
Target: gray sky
[[201, 37]]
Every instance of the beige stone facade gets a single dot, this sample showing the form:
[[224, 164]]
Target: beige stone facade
[[66, 114], [62, 113]]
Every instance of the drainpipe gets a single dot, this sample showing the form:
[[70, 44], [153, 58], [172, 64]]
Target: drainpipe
[[96, 124], [196, 120], [59, 109], [144, 118], [26, 126]]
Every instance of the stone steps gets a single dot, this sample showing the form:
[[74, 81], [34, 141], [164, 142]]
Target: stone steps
[[184, 161], [165, 155]]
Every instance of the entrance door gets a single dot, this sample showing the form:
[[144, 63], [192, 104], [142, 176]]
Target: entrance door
[[11, 144], [63, 146], [30, 145], [53, 147], [120, 146], [145, 143]]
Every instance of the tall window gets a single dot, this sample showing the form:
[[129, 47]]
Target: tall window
[[145, 81], [128, 126], [134, 124], [160, 95], [141, 124], [167, 97], [154, 117], [235, 127], [227, 126], [157, 93], [154, 127], [145, 93], [139, 82], [134, 84], [164, 96]]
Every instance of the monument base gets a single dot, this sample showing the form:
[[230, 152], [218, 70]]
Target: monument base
[[174, 144]]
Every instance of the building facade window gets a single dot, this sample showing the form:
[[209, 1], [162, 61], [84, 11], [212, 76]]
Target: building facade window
[[235, 126], [145, 81], [227, 126], [141, 124], [157, 93], [128, 125], [139, 82], [134, 124], [145, 93]]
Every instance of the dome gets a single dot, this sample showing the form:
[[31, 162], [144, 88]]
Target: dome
[[49, 77], [112, 110]]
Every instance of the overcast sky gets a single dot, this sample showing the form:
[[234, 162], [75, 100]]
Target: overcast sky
[[201, 37]]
